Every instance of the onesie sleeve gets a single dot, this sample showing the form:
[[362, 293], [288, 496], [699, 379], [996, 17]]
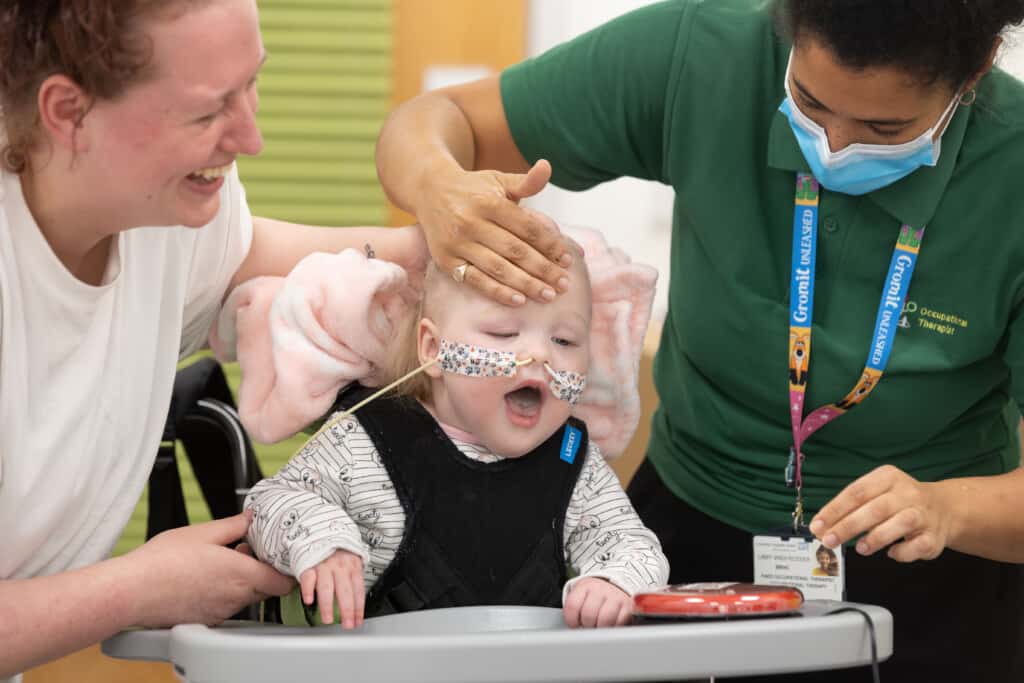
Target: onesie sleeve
[[605, 537]]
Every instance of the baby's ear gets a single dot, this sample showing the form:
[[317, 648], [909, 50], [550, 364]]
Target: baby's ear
[[428, 343]]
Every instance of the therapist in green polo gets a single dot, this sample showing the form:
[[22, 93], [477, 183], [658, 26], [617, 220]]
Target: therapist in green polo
[[845, 338]]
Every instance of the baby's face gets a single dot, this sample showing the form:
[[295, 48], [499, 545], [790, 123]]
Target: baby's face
[[512, 415]]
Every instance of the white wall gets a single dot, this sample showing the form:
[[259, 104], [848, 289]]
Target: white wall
[[1012, 57], [634, 214]]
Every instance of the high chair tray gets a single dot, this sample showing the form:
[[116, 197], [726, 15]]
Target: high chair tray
[[512, 644]]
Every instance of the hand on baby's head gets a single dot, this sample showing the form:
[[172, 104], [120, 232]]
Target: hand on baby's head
[[336, 580]]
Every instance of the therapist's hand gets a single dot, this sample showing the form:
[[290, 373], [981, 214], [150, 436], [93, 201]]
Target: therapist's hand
[[339, 579], [191, 576], [594, 602], [473, 217], [891, 509]]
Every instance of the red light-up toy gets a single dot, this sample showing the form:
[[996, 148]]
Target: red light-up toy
[[717, 600]]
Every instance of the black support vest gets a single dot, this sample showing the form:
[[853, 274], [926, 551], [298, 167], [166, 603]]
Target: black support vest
[[475, 533]]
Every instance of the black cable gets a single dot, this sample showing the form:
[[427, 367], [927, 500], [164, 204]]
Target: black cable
[[871, 630]]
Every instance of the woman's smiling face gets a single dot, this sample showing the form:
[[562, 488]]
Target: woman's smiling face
[[160, 150]]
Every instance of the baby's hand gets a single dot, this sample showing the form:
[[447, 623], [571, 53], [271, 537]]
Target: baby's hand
[[595, 602], [339, 576]]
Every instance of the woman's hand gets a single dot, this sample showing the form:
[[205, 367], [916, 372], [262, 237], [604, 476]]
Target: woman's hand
[[339, 579], [510, 252], [594, 602], [190, 576], [891, 509]]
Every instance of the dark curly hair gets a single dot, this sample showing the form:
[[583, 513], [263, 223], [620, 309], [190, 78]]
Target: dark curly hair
[[936, 41], [99, 44]]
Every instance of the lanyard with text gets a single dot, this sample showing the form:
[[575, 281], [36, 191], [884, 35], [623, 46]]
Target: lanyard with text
[[801, 309]]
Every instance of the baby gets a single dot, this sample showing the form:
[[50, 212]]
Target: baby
[[470, 485]]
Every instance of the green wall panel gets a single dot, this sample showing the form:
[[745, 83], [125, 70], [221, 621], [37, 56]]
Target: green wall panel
[[324, 93]]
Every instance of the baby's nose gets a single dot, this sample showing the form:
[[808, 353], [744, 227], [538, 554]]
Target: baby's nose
[[542, 348]]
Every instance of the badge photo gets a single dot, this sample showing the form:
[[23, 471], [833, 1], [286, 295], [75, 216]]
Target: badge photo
[[801, 561]]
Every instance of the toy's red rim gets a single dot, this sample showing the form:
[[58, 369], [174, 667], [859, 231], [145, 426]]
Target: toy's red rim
[[717, 600]]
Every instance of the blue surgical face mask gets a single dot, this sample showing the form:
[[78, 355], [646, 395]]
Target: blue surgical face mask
[[861, 168]]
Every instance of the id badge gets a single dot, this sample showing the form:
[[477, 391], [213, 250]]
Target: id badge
[[800, 560]]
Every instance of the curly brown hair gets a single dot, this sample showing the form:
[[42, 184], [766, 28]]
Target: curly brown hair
[[99, 44]]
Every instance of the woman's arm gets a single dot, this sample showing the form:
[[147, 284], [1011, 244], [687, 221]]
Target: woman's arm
[[277, 246], [181, 576], [48, 617], [915, 520], [594, 107]]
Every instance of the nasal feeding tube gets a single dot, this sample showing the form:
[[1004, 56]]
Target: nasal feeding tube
[[477, 361], [471, 360]]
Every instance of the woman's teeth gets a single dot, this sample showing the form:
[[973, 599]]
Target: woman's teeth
[[209, 174]]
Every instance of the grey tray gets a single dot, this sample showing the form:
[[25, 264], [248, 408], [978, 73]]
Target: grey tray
[[512, 644]]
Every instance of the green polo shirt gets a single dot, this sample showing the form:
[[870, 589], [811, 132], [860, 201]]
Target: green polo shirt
[[687, 93]]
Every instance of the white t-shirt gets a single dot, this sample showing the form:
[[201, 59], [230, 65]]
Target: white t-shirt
[[86, 374]]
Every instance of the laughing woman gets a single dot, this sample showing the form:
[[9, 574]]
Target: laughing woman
[[122, 227]]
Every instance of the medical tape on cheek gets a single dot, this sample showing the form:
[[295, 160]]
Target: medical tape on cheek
[[566, 385], [476, 361]]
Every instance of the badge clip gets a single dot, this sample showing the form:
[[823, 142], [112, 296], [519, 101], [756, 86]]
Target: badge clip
[[790, 474]]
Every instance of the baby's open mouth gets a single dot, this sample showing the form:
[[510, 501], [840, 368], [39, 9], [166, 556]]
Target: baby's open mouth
[[525, 401]]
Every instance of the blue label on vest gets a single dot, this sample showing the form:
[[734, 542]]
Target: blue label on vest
[[570, 443]]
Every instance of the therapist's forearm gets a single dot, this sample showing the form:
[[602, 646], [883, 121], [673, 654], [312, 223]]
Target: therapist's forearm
[[988, 515], [424, 137], [48, 617]]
